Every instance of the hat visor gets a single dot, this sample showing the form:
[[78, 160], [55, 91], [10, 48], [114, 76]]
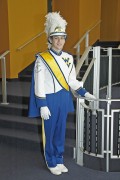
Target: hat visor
[[58, 34]]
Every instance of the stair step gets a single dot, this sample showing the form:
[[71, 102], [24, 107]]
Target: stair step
[[31, 125], [82, 73], [28, 72], [29, 140], [14, 109], [26, 136], [113, 44], [13, 133], [17, 88], [22, 110], [20, 123], [26, 78], [16, 99], [84, 67], [22, 99], [19, 119]]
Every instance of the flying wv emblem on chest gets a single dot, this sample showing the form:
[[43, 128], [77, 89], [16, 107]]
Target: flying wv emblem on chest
[[67, 61]]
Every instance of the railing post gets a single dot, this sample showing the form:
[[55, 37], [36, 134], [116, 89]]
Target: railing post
[[109, 53], [87, 40], [86, 45], [79, 131], [4, 88], [96, 79], [78, 54], [108, 136]]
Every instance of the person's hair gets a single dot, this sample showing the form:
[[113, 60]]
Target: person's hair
[[51, 38]]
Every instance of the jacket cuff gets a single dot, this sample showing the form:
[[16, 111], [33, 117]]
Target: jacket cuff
[[81, 91], [41, 102]]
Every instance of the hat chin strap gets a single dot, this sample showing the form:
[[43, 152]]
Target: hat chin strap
[[58, 52], [49, 40]]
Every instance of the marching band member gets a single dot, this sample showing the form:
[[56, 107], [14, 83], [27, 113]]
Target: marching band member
[[53, 76]]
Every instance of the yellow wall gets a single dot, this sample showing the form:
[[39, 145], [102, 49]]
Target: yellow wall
[[110, 25], [90, 14], [69, 9], [81, 15], [4, 33], [26, 20]]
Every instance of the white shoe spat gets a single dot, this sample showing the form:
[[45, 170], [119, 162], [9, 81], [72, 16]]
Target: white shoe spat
[[55, 170], [62, 168]]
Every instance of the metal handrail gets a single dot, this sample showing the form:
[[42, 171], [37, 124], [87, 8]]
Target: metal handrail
[[84, 36], [81, 39], [94, 106], [102, 100], [82, 59], [80, 109], [4, 88], [4, 54], [29, 41], [105, 49], [88, 70]]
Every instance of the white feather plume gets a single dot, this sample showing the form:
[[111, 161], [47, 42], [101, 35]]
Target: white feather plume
[[53, 20]]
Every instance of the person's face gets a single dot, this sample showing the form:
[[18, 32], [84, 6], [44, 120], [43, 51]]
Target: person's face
[[58, 42]]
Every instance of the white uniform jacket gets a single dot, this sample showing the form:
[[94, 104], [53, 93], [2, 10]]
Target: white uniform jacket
[[46, 82]]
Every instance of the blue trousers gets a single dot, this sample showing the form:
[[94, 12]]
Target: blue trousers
[[54, 128]]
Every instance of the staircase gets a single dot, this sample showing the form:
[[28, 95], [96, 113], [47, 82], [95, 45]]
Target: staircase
[[16, 129]]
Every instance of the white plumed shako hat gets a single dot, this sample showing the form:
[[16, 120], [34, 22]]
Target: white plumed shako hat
[[55, 25]]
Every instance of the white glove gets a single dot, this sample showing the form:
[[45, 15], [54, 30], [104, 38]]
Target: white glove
[[45, 112], [90, 96]]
